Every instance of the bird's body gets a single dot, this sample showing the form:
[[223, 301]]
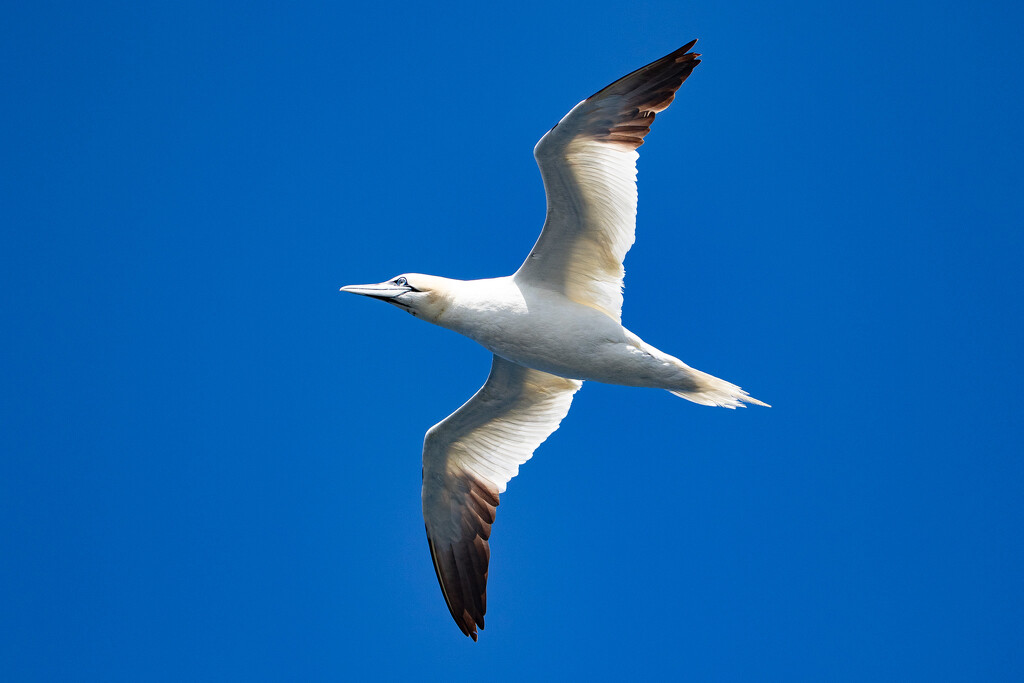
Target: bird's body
[[545, 330], [551, 325], [540, 329]]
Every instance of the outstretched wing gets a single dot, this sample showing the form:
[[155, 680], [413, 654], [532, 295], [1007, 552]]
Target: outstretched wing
[[467, 460], [588, 163]]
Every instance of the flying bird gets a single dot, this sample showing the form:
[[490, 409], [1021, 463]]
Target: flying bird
[[551, 325]]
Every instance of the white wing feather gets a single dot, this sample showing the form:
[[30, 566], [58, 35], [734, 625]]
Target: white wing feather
[[468, 458], [588, 164]]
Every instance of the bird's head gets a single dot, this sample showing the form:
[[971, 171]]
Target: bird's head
[[424, 296]]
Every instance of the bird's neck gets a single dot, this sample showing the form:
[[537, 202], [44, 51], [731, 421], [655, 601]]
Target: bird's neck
[[469, 304]]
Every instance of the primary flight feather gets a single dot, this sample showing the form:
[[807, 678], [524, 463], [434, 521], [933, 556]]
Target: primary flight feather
[[551, 325]]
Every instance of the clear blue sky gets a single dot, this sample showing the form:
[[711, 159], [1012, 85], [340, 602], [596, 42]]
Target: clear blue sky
[[210, 459]]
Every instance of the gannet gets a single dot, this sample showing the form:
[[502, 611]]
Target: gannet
[[553, 324]]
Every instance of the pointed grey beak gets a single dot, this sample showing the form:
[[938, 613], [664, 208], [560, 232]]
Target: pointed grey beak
[[385, 290]]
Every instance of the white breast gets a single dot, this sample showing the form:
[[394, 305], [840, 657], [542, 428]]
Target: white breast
[[535, 327]]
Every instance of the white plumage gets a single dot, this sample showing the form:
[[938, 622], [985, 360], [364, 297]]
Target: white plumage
[[551, 325]]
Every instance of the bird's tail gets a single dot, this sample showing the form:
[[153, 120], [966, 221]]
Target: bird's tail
[[691, 384], [708, 390]]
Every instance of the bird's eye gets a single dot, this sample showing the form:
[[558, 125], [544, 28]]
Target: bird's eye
[[401, 282]]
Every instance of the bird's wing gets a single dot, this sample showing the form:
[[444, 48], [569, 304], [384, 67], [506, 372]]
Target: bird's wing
[[467, 460], [588, 163]]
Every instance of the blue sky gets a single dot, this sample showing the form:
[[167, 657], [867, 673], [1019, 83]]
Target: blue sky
[[210, 462]]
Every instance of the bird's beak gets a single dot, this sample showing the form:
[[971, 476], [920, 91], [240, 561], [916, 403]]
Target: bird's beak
[[384, 291]]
